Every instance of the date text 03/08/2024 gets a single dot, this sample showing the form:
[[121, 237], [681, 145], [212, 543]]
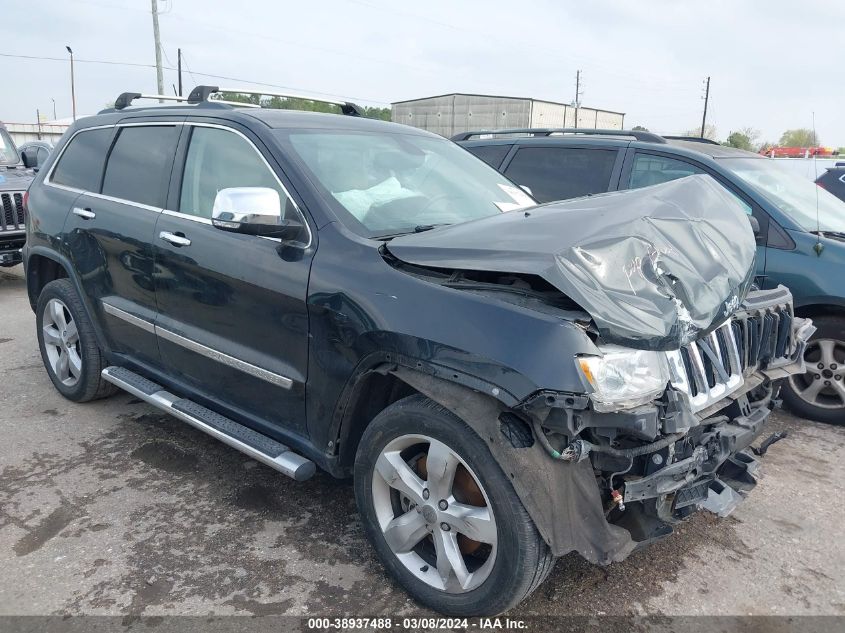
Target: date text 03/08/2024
[[416, 624]]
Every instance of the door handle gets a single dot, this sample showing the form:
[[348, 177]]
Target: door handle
[[173, 238], [85, 214]]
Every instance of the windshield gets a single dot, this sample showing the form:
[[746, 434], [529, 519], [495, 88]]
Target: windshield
[[8, 153], [792, 194], [388, 184]]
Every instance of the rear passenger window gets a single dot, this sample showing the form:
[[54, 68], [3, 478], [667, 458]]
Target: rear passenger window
[[650, 170], [558, 173], [493, 155], [81, 164], [219, 159], [139, 165]]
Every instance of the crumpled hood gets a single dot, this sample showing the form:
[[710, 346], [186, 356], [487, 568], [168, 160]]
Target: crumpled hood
[[15, 179], [655, 268]]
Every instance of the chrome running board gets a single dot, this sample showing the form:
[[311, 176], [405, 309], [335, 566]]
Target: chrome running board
[[248, 441]]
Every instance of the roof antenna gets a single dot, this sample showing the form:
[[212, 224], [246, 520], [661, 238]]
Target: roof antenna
[[818, 247]]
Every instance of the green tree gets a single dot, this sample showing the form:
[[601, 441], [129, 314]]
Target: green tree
[[744, 138], [295, 103], [640, 128], [799, 137]]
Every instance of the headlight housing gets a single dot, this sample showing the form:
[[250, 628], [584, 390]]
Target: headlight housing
[[622, 378]]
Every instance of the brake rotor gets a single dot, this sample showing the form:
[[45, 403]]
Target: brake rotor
[[466, 490]]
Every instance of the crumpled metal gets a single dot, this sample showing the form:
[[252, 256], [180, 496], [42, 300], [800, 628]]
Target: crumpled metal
[[655, 268]]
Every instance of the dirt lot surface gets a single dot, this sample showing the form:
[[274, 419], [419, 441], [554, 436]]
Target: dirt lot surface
[[114, 508]]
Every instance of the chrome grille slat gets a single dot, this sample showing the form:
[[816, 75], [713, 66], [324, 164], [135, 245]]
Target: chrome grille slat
[[715, 366]]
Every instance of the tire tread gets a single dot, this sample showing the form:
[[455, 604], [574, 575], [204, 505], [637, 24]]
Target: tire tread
[[94, 387]]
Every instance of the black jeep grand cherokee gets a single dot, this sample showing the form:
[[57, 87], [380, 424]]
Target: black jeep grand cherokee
[[505, 382]]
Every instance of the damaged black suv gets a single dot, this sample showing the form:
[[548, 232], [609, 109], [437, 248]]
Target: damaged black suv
[[506, 382]]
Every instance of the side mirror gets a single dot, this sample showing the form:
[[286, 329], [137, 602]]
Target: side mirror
[[29, 156], [755, 225], [253, 211]]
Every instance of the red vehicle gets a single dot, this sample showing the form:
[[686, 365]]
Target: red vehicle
[[797, 152]]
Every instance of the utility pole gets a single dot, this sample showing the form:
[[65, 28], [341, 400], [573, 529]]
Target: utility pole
[[157, 37], [179, 68], [577, 95], [706, 100], [54, 108], [72, 82]]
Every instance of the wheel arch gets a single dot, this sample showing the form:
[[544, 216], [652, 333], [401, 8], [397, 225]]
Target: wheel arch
[[563, 500], [43, 265], [380, 380], [41, 269]]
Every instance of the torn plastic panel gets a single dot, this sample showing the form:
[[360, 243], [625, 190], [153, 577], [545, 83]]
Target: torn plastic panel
[[562, 499], [655, 268]]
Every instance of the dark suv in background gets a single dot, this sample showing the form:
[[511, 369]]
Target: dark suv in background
[[15, 176], [833, 180], [800, 231], [506, 383]]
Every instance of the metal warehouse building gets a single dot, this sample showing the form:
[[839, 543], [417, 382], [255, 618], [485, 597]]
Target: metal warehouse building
[[454, 113]]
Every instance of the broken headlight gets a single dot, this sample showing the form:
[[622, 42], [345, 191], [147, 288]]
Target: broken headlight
[[622, 378]]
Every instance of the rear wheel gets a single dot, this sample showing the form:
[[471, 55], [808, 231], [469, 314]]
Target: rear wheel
[[68, 346], [442, 516], [820, 393]]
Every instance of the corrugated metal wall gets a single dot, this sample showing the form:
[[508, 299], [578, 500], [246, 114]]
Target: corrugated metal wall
[[546, 114], [24, 132], [599, 119], [448, 115]]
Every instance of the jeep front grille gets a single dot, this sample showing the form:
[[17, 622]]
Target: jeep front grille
[[708, 369], [715, 366], [763, 338], [11, 218]]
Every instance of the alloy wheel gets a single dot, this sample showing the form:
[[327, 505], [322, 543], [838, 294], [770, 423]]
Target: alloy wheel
[[61, 342], [434, 513], [824, 383]]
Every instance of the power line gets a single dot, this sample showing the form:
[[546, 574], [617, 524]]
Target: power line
[[192, 74]]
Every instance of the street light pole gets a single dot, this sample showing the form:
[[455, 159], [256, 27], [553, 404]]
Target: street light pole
[[54, 108], [72, 82]]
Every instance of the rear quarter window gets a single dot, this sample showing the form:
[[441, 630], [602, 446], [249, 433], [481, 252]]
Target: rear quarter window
[[558, 173], [834, 181], [81, 164], [493, 155]]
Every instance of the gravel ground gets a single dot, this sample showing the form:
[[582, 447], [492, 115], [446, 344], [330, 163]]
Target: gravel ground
[[114, 508]]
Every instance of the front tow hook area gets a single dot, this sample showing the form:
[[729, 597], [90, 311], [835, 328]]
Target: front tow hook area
[[764, 446], [734, 480], [721, 498]]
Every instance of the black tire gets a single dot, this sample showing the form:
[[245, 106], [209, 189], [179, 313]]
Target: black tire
[[523, 559], [90, 384], [827, 327]]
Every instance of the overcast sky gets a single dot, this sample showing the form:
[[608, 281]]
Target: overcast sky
[[772, 62]]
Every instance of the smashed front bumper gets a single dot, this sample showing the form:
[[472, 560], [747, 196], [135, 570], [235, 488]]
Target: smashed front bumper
[[724, 387], [654, 465]]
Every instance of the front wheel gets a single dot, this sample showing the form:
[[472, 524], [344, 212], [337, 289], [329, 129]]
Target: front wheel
[[820, 393], [442, 516]]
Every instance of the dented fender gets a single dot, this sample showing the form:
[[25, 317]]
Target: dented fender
[[562, 499]]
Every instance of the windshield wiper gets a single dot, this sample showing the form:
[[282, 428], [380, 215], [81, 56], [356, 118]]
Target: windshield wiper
[[839, 235], [421, 228]]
